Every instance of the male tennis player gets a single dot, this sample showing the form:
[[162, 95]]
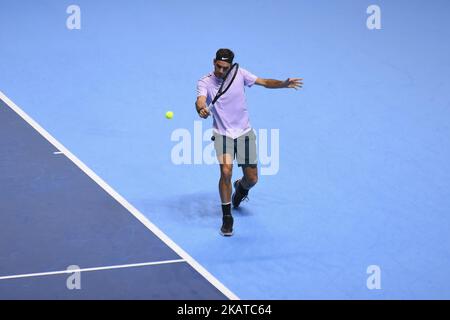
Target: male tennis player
[[233, 136]]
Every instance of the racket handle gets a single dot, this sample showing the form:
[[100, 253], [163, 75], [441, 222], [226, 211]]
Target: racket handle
[[210, 107]]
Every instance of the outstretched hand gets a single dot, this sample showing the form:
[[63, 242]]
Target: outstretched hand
[[294, 83]]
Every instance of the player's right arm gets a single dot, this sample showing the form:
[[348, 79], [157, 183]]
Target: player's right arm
[[201, 107]]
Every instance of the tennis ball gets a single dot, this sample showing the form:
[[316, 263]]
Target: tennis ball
[[169, 114]]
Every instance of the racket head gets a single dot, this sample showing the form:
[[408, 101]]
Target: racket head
[[227, 81], [229, 78]]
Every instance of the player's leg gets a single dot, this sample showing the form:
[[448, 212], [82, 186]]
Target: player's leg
[[244, 184], [250, 178], [225, 154], [226, 171], [247, 159]]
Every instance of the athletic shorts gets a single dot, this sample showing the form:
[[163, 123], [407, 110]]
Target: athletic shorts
[[243, 148]]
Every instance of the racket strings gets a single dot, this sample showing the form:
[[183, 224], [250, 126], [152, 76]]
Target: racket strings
[[229, 78]]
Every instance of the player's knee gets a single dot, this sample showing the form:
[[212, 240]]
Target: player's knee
[[251, 180], [226, 173]]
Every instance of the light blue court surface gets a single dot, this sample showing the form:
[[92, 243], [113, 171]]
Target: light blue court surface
[[363, 173]]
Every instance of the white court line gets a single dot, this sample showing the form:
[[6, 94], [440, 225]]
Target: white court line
[[52, 273], [143, 219]]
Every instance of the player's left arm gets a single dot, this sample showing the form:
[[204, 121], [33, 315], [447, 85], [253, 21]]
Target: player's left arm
[[294, 83]]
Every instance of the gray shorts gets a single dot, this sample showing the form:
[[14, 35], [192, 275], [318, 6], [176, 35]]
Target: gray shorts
[[243, 148]]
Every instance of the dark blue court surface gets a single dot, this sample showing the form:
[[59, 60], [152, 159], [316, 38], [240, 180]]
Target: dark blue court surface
[[53, 215], [353, 204]]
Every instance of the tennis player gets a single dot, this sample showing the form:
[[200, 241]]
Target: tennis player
[[233, 135]]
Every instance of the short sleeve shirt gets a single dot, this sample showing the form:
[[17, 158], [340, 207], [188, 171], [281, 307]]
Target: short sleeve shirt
[[230, 114]]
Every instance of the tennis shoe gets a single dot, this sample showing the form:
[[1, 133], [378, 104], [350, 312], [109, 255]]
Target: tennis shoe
[[239, 194], [227, 226]]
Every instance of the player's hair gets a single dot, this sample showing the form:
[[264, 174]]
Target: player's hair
[[225, 55]]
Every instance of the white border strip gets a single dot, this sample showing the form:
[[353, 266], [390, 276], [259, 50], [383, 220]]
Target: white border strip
[[199, 268], [52, 273]]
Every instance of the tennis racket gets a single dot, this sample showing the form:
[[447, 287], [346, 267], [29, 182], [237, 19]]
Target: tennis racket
[[226, 84]]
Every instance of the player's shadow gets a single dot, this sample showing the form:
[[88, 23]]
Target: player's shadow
[[204, 205], [242, 211], [197, 205]]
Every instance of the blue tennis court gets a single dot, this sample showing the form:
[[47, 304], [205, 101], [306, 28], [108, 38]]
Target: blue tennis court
[[354, 169]]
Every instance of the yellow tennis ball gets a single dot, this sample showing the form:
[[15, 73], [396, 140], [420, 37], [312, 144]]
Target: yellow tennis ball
[[169, 114]]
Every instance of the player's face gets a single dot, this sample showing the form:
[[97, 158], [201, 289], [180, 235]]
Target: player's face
[[221, 68]]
